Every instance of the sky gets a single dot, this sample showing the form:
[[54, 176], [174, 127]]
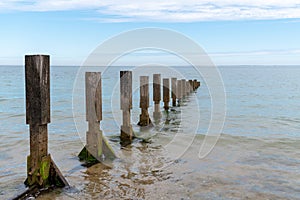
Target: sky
[[235, 32]]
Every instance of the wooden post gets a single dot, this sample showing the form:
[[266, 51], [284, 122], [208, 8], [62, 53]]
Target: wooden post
[[97, 147], [41, 169], [126, 106], [183, 86], [166, 93], [144, 101], [198, 84], [174, 92], [194, 84], [191, 85], [179, 92], [156, 95], [187, 88]]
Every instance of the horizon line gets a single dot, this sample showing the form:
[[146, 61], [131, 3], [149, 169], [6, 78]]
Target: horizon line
[[217, 65]]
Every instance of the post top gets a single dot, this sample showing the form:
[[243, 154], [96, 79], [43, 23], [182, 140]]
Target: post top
[[126, 72], [38, 55]]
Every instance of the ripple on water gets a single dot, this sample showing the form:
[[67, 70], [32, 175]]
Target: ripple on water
[[261, 167]]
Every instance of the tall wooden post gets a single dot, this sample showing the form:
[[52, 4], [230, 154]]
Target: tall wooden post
[[183, 86], [144, 101], [166, 93], [41, 170], [179, 92], [126, 106], [97, 147], [174, 85], [156, 95]]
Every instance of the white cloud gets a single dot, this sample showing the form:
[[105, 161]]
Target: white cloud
[[166, 11]]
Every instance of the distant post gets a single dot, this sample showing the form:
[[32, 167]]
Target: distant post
[[41, 169], [187, 88], [198, 84], [195, 84], [174, 84], [156, 95], [166, 93], [179, 92], [96, 145], [191, 85], [126, 106], [144, 101], [183, 86]]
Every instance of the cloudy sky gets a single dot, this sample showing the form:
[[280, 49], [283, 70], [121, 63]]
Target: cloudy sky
[[231, 32]]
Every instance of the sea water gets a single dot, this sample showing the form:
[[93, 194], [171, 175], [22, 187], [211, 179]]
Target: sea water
[[256, 157]]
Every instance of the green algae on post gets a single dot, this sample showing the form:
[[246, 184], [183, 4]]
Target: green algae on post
[[40, 171], [93, 151]]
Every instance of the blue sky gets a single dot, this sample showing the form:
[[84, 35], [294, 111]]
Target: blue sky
[[231, 32]]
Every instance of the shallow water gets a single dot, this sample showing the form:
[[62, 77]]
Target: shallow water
[[257, 156]]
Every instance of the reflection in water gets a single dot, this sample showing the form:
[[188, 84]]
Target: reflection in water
[[240, 172], [129, 177], [139, 166]]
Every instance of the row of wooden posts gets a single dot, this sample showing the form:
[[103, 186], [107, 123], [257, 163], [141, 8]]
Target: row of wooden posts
[[41, 169], [179, 89]]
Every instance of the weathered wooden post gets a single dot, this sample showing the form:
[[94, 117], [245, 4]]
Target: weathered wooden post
[[156, 95], [187, 88], [195, 84], [144, 101], [198, 84], [166, 93], [174, 92], [191, 85], [126, 106], [183, 86], [179, 92], [41, 169], [97, 147]]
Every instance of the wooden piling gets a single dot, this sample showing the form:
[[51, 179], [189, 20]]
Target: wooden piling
[[183, 86], [156, 95], [97, 147], [41, 169], [195, 84], [126, 106], [198, 84], [174, 92], [187, 88], [191, 85], [179, 92], [144, 101], [166, 93]]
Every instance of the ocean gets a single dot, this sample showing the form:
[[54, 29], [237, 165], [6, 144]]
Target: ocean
[[256, 157]]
